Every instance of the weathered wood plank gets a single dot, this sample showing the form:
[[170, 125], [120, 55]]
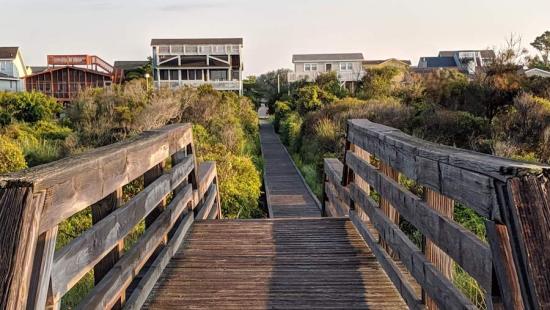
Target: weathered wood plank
[[145, 286], [208, 204], [40, 294], [75, 259], [462, 245], [105, 294], [530, 220], [207, 173], [440, 289], [402, 285], [77, 182], [20, 211], [375, 137]]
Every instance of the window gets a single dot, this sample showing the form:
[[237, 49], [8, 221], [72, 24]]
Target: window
[[164, 75], [184, 75], [346, 66], [310, 67], [199, 75], [218, 75], [174, 75], [191, 74]]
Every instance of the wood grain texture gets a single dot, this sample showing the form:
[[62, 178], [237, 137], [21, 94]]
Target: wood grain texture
[[530, 210], [19, 217], [460, 244], [440, 289], [459, 174], [274, 264], [105, 294], [286, 191]]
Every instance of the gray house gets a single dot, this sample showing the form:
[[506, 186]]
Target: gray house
[[467, 61], [348, 67]]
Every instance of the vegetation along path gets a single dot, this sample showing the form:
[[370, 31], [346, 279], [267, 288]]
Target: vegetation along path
[[287, 193]]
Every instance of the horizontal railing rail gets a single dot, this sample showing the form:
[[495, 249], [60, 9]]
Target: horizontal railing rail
[[511, 197], [33, 203]]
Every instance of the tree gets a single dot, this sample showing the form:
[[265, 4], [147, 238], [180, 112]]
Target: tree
[[329, 82], [542, 44], [272, 86], [378, 83]]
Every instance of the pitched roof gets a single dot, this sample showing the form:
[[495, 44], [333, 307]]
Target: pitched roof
[[38, 69], [197, 41], [8, 52], [484, 53], [381, 61], [52, 69], [439, 62], [329, 57], [130, 64]]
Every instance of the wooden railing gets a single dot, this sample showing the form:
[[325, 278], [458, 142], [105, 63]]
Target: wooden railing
[[513, 198], [33, 203]]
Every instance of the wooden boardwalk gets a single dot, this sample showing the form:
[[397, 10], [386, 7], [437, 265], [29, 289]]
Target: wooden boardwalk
[[288, 196], [274, 264]]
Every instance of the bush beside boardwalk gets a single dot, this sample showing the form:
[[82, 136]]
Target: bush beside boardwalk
[[499, 111], [35, 129]]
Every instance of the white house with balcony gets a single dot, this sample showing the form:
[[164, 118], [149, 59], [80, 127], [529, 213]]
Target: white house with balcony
[[348, 67], [194, 62], [12, 69]]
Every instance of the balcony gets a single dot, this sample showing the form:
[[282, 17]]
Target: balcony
[[343, 76], [199, 50], [218, 85]]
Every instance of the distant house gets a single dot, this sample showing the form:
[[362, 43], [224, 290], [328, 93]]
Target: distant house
[[537, 72], [348, 67], [403, 65], [194, 62], [467, 61], [367, 64], [129, 69], [12, 69], [66, 75]]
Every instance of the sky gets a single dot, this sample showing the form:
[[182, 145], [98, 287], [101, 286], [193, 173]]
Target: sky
[[272, 30]]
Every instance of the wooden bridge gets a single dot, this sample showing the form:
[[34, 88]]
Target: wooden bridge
[[356, 257]]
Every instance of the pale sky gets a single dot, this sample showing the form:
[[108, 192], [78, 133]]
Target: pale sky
[[272, 30]]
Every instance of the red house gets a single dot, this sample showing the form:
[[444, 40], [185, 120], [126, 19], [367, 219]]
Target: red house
[[66, 75]]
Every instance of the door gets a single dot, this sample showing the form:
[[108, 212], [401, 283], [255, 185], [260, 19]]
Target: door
[[328, 67]]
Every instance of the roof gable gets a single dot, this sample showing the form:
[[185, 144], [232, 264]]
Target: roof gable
[[8, 52]]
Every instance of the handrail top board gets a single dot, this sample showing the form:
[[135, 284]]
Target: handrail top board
[[493, 166], [42, 176]]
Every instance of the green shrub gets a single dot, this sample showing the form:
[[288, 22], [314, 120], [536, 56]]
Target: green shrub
[[378, 83], [11, 156], [29, 106], [291, 131], [51, 130], [312, 97]]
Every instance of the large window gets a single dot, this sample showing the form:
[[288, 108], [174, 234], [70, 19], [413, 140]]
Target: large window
[[218, 75], [192, 75], [346, 66], [164, 75], [310, 67], [174, 75]]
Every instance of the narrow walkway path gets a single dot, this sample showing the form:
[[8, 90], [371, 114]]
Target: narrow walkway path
[[274, 264], [288, 196]]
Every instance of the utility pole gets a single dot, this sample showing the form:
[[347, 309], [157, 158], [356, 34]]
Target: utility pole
[[278, 83]]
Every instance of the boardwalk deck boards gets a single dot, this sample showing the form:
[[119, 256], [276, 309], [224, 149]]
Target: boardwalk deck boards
[[287, 194], [274, 264]]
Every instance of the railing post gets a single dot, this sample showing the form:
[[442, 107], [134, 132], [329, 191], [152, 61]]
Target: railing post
[[442, 261], [100, 210], [386, 206], [20, 212]]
